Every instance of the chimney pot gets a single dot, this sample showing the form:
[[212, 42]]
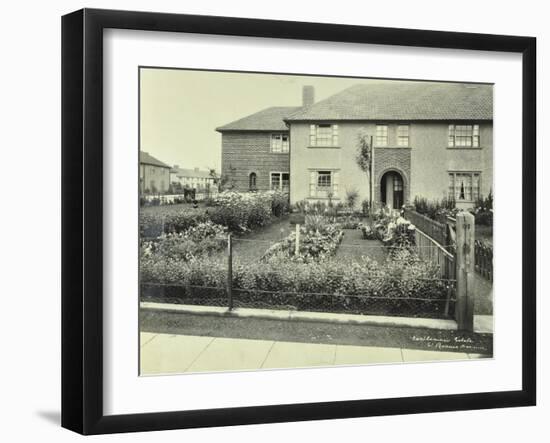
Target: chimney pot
[[308, 95]]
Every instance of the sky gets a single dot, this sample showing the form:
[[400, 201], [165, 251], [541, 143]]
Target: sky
[[180, 109]]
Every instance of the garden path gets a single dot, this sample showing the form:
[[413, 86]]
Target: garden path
[[354, 246], [249, 248]]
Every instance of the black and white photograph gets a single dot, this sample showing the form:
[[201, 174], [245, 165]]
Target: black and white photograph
[[297, 221]]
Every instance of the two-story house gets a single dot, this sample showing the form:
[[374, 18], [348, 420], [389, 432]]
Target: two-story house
[[154, 175], [430, 139], [256, 148]]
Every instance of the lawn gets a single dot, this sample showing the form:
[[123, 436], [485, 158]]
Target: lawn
[[354, 246]]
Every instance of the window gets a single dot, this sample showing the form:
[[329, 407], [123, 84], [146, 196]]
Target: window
[[323, 184], [463, 136], [464, 186], [403, 135], [381, 135], [279, 143], [252, 181], [280, 181], [323, 135]]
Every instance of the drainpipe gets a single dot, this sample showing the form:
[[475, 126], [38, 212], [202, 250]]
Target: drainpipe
[[371, 190]]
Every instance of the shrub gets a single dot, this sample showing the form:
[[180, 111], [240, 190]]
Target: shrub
[[352, 196], [157, 223], [323, 285], [202, 239]]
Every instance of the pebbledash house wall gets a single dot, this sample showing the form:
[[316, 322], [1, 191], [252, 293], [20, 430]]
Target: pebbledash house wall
[[244, 152], [424, 165]]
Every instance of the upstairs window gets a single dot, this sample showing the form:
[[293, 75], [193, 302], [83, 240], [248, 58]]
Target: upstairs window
[[323, 135], [381, 138], [403, 135], [279, 143], [463, 136]]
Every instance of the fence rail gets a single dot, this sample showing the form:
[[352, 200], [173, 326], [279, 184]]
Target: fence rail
[[432, 228]]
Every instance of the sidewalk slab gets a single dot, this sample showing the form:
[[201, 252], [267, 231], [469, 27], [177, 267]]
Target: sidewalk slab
[[299, 355], [230, 354], [168, 354], [414, 355], [362, 355], [483, 324], [146, 337]]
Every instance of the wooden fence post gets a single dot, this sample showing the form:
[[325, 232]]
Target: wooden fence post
[[230, 271], [465, 268]]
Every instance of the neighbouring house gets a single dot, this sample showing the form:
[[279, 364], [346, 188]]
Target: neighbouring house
[[154, 175], [255, 149], [430, 139], [194, 178]]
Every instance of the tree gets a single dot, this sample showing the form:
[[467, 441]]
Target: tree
[[364, 156]]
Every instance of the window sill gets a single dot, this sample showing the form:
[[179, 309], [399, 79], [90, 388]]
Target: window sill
[[464, 148], [324, 147], [392, 147]]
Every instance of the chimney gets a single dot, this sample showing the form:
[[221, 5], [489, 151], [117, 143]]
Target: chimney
[[308, 95], [196, 169], [176, 166]]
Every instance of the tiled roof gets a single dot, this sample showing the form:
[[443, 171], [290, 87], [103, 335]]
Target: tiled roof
[[181, 172], [270, 119], [403, 100], [148, 159]]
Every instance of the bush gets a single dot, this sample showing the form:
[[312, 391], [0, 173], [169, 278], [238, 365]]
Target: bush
[[323, 285], [157, 223], [352, 196], [241, 212], [200, 240]]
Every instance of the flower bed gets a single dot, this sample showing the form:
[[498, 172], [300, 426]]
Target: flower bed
[[239, 212], [202, 239], [318, 241]]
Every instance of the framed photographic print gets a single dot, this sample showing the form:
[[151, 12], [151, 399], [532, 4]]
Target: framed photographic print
[[269, 221]]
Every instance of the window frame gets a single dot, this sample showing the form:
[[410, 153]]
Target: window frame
[[473, 198], [333, 137], [400, 138], [377, 137], [333, 187], [281, 181], [474, 136], [271, 142]]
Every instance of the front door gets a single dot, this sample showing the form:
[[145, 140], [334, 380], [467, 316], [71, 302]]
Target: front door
[[391, 190], [397, 192]]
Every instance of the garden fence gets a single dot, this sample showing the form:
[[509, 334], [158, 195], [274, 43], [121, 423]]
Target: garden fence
[[380, 295], [432, 228], [484, 260]]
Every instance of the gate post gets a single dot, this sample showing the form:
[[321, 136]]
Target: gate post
[[465, 268]]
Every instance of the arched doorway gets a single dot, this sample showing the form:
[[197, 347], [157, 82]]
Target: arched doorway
[[392, 190]]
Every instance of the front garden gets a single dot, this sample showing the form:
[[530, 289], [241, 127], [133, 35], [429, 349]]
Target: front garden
[[184, 259]]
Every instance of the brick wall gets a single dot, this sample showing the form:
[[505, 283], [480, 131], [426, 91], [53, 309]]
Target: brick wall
[[247, 152], [392, 159]]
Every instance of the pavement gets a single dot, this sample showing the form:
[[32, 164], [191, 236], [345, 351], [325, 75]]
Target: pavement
[[172, 354]]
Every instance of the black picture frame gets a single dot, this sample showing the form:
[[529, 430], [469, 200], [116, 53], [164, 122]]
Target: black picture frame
[[82, 215]]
